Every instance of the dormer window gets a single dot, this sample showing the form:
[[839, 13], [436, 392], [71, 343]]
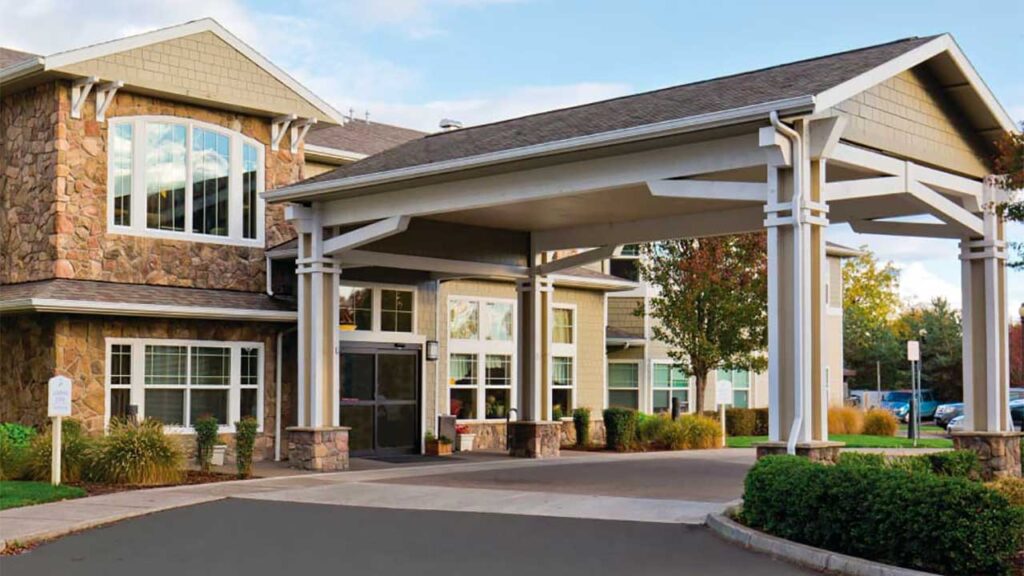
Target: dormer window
[[184, 179]]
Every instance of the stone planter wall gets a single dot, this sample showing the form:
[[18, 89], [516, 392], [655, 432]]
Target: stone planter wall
[[535, 439], [320, 449], [816, 451], [998, 452], [597, 433]]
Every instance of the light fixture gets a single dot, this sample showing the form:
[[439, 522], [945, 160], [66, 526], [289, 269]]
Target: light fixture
[[433, 350]]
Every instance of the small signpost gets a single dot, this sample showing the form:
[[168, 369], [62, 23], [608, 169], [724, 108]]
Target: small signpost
[[913, 420], [58, 405], [723, 396]]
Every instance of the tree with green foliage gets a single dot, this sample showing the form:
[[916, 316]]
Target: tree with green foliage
[[941, 347], [1009, 163], [871, 303], [710, 305]]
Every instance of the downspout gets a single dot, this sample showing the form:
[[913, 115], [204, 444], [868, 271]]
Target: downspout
[[277, 392], [798, 325]]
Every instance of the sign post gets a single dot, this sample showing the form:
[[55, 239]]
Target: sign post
[[914, 355], [723, 395], [58, 405]]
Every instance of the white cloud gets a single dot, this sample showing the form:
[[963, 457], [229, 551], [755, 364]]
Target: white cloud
[[920, 285]]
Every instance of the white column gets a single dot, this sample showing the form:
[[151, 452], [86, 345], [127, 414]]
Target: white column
[[533, 330]]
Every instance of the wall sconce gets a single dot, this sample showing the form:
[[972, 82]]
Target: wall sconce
[[433, 350]]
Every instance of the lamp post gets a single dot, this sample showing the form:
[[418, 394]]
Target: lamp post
[[1020, 312]]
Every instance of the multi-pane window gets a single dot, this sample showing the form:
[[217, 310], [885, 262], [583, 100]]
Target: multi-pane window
[[395, 310], [481, 359], [670, 382], [740, 386], [356, 308], [563, 361], [624, 385], [367, 308], [199, 181], [178, 383], [211, 168], [562, 384]]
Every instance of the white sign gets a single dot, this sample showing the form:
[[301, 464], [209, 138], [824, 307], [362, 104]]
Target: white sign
[[723, 392], [913, 350], [59, 403]]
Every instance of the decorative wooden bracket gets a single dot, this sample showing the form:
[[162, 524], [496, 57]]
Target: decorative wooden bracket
[[278, 128], [104, 96], [299, 129], [80, 90]]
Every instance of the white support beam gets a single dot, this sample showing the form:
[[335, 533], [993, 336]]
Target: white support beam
[[825, 134], [968, 191], [776, 146], [855, 157], [865, 188], [278, 128], [709, 190], [365, 235], [581, 259], [299, 128], [104, 96], [919, 229], [946, 210], [716, 223], [80, 90], [427, 264]]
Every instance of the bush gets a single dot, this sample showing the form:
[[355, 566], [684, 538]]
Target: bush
[[761, 428], [245, 439], [700, 432], [206, 438], [922, 521], [845, 420], [653, 430], [879, 422], [15, 442], [620, 428], [740, 422], [76, 451], [138, 454], [956, 463], [959, 463], [1011, 488], [581, 421]]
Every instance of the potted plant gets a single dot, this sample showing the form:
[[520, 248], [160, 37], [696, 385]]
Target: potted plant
[[438, 446], [219, 450], [464, 438]]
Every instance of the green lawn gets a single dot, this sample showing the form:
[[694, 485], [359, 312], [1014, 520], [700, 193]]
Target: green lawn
[[14, 494], [930, 428], [854, 441]]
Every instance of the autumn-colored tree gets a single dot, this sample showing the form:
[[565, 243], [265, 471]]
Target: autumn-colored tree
[[1017, 354], [711, 303], [871, 304], [1009, 163]]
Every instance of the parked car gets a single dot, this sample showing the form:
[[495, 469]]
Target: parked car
[[946, 412], [1016, 394], [1017, 413], [955, 425], [898, 402]]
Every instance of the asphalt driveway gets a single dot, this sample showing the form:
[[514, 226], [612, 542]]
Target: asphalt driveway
[[252, 537]]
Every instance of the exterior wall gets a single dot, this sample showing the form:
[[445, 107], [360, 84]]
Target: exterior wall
[[317, 168], [590, 348], [834, 333], [909, 115], [620, 314], [27, 361], [199, 66], [31, 150]]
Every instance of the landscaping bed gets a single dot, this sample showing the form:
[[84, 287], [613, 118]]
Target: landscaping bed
[[853, 441]]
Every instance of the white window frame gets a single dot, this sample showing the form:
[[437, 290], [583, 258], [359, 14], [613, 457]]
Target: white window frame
[[138, 378], [563, 350], [138, 193], [748, 389], [639, 382], [482, 348], [690, 382], [375, 311]]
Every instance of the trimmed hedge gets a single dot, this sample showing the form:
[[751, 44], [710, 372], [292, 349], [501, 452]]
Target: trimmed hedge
[[206, 437], [620, 428], [245, 441], [581, 421], [926, 522], [956, 463], [746, 421]]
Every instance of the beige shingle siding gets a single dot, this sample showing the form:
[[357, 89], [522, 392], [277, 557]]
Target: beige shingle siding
[[590, 351], [909, 115], [621, 314], [202, 67]]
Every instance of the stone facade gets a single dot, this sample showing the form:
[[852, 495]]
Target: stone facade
[[27, 362], [536, 439], [998, 452], [597, 433], [827, 452], [319, 449]]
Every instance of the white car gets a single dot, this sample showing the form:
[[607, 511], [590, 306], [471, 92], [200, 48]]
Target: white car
[[955, 425]]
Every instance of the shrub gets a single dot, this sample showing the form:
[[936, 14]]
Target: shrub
[[556, 413], [740, 422], [581, 421], [245, 439], [761, 428], [1011, 488], [620, 428], [845, 420], [959, 463], [700, 432], [138, 454], [76, 448], [652, 430], [879, 422], [206, 438], [15, 442], [922, 521]]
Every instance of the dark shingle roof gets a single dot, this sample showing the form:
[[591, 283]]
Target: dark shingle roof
[[794, 80], [361, 137], [613, 333], [10, 57], [142, 294]]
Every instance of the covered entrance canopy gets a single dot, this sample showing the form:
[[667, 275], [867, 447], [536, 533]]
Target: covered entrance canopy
[[867, 137]]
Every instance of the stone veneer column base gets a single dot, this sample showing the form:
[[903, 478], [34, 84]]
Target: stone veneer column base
[[323, 449], [998, 452], [535, 439], [815, 451]]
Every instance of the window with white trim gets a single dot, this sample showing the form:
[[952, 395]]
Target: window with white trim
[[366, 308], [179, 381], [177, 178], [624, 385], [740, 386], [481, 357], [669, 382], [563, 361]]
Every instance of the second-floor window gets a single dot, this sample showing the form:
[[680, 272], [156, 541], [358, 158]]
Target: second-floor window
[[185, 179]]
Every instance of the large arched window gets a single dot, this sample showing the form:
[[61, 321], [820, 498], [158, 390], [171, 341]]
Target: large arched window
[[184, 179]]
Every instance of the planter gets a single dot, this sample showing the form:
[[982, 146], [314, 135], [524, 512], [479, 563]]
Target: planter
[[436, 448], [465, 442], [218, 454]]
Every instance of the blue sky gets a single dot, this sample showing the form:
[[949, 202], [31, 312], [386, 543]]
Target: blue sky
[[412, 62]]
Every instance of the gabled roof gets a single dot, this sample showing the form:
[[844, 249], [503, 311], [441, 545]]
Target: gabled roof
[[9, 57], [802, 87], [358, 137]]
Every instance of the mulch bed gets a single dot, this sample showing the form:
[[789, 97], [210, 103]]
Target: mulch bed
[[191, 477]]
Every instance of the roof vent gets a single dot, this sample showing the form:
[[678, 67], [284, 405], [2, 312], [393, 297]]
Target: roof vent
[[447, 124]]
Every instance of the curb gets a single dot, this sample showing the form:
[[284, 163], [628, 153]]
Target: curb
[[802, 554]]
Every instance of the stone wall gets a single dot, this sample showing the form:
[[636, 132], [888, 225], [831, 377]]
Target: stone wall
[[26, 364], [29, 156]]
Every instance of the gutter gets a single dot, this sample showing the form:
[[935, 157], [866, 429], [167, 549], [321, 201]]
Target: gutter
[[756, 112], [314, 152], [30, 66], [157, 310]]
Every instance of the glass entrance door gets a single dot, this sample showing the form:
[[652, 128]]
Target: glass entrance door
[[380, 399]]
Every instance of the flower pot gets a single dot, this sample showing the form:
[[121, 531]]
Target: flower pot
[[465, 442], [218, 454], [436, 448]]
